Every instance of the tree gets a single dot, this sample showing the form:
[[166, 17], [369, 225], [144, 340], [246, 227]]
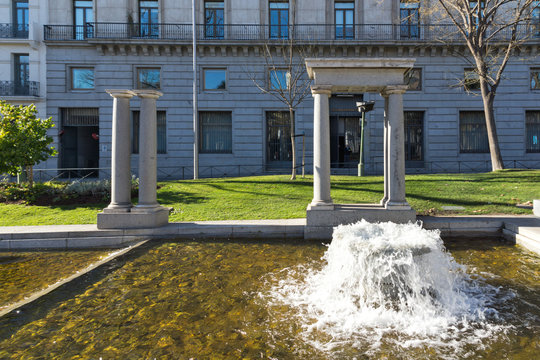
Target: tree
[[23, 139], [492, 30], [287, 80]]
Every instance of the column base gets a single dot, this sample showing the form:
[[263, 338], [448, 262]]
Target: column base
[[136, 219], [117, 208], [320, 206], [392, 205]]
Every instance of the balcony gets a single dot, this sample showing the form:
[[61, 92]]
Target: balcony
[[268, 33], [13, 31], [12, 88]]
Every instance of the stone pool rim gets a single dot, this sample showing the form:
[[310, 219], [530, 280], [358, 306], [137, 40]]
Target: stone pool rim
[[523, 230]]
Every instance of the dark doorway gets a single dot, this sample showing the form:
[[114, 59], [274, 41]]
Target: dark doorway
[[414, 139], [344, 131], [79, 142], [278, 139]]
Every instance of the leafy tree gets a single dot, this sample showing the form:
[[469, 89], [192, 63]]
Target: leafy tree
[[23, 139], [492, 31]]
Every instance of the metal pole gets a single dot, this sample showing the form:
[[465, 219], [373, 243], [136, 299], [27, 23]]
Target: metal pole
[[361, 160], [303, 155], [195, 110]]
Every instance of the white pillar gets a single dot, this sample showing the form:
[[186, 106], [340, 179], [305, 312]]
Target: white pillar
[[321, 147], [148, 150], [120, 153], [396, 147], [386, 151]]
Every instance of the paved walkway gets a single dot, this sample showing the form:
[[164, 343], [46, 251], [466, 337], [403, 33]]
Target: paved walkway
[[524, 230]]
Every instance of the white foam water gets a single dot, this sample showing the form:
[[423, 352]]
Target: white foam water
[[388, 284]]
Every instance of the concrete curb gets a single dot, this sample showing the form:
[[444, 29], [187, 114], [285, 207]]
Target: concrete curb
[[523, 230]]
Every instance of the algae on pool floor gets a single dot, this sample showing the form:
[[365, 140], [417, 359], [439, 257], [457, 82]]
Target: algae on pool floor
[[24, 273]]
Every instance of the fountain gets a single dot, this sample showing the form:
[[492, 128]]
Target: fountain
[[377, 291]]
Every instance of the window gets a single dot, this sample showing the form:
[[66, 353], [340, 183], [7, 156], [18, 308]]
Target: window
[[532, 129], [410, 19], [20, 18], [471, 81], [148, 78], [215, 132], [82, 78], [413, 78], [21, 72], [161, 132], [472, 131], [477, 11], [344, 17], [279, 20], [215, 79], [278, 79], [83, 13], [414, 138], [213, 19], [149, 18], [535, 79], [278, 138]]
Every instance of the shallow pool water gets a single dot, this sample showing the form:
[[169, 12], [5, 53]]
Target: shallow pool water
[[24, 273], [207, 300]]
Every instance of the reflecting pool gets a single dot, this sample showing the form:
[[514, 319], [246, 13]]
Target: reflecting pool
[[214, 300]]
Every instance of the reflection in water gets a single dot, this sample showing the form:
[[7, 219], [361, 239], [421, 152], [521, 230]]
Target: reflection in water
[[209, 299]]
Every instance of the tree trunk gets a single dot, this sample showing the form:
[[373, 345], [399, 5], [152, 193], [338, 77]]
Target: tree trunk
[[30, 175], [494, 150], [293, 144]]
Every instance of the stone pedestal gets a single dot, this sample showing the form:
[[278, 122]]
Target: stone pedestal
[[384, 76], [148, 213]]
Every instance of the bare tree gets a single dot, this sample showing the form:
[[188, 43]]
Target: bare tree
[[286, 80], [492, 30]]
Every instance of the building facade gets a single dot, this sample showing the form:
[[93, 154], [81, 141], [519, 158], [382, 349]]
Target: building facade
[[23, 78], [96, 45]]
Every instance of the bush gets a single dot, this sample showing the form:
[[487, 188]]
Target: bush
[[55, 192]]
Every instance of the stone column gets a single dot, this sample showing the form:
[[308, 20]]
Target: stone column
[[396, 142], [148, 151], [120, 153], [386, 151], [321, 147]]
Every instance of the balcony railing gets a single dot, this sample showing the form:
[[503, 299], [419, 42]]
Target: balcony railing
[[13, 88], [247, 32], [13, 31]]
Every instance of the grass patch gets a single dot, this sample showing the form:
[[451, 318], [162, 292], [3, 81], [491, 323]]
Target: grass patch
[[276, 197]]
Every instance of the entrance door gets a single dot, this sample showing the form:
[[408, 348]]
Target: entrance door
[[79, 143], [414, 139], [278, 139], [344, 141]]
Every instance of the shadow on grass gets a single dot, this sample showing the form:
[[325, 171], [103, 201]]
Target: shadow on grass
[[183, 197]]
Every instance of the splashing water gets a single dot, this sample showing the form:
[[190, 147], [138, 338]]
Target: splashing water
[[389, 284]]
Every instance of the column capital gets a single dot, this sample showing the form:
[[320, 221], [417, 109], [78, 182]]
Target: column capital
[[149, 94], [321, 89], [394, 89], [120, 93]]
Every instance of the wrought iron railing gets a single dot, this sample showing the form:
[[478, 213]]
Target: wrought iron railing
[[186, 172], [253, 32], [14, 88], [14, 31]]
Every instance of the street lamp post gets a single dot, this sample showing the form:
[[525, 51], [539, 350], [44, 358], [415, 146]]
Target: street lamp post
[[363, 107]]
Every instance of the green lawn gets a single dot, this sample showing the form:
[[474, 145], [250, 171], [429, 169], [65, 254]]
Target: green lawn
[[276, 197]]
